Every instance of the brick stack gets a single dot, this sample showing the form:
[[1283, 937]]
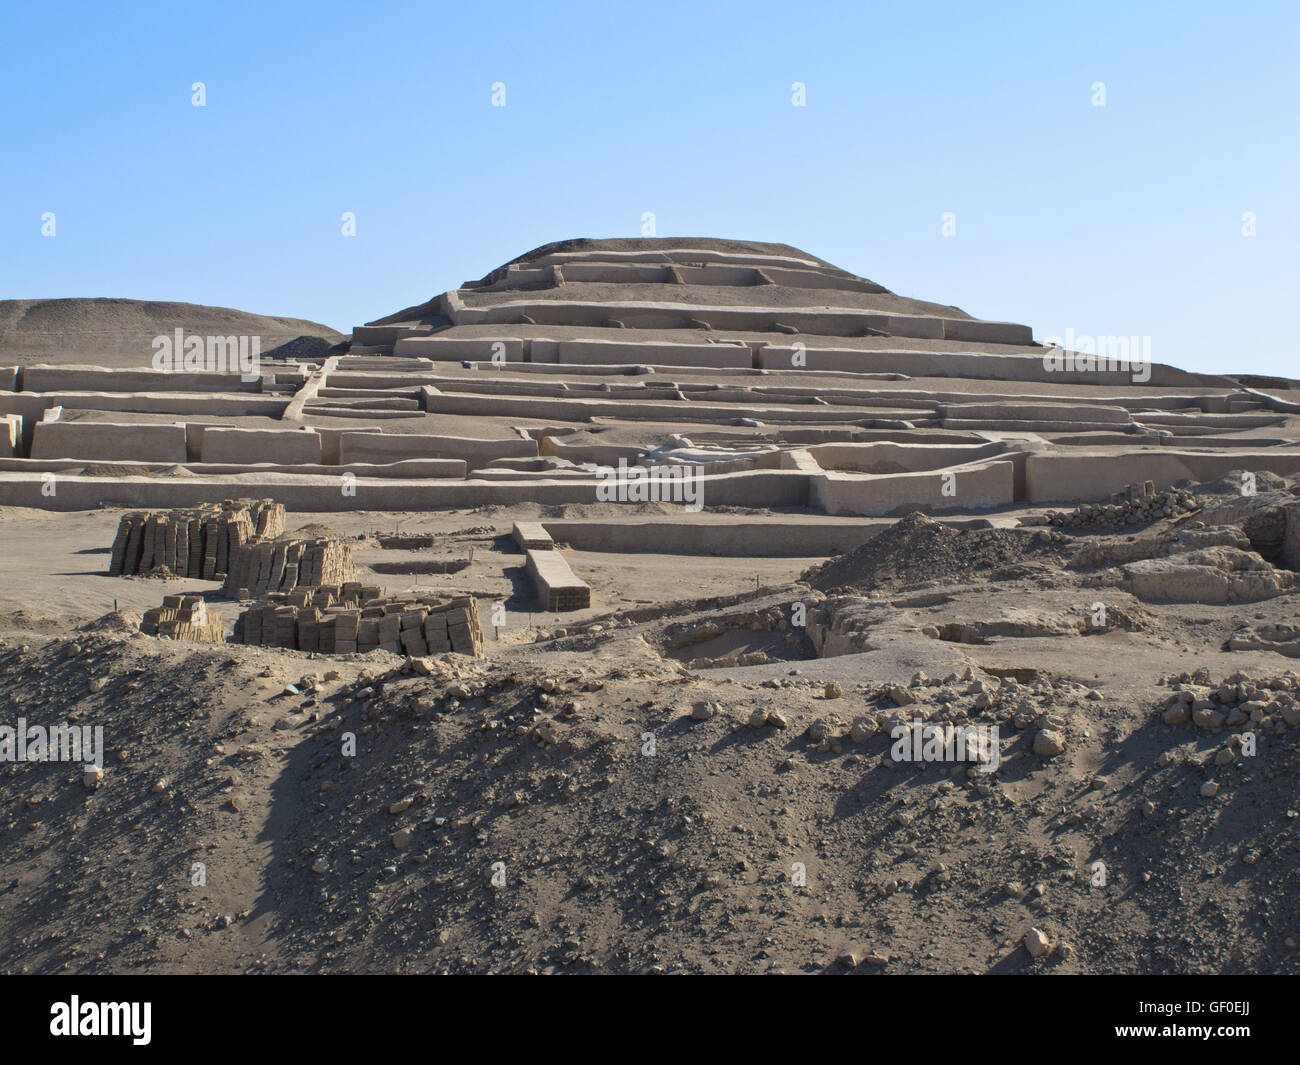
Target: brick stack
[[193, 543], [263, 569], [356, 618], [184, 617]]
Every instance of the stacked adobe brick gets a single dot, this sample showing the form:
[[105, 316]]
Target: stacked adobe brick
[[355, 618], [184, 617], [195, 542], [261, 569]]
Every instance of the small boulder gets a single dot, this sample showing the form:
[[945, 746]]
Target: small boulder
[[1049, 743]]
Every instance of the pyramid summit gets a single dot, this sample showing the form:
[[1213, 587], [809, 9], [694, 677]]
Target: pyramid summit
[[707, 302], [680, 292]]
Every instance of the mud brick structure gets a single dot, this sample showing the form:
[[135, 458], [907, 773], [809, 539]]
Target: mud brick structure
[[192, 542], [557, 587], [184, 617], [355, 618], [785, 381], [531, 536]]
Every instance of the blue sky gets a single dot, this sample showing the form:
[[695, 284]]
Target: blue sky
[[1117, 220]]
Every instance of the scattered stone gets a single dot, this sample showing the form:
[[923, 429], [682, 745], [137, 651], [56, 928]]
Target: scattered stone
[[1037, 943], [1049, 743]]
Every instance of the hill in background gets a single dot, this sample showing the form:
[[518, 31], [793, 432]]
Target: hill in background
[[119, 333]]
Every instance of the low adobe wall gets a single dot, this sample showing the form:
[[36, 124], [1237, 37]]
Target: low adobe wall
[[666, 314], [213, 404], [590, 451], [241, 446], [684, 255], [1090, 478], [967, 364], [577, 410], [1029, 410], [386, 335], [912, 458], [457, 349], [813, 537], [108, 440], [601, 352], [983, 332], [393, 447], [11, 435], [31, 407], [379, 380], [557, 587], [1013, 426], [99, 378], [417, 469], [759, 488], [976, 487]]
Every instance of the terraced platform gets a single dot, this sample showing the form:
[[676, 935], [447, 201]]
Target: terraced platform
[[762, 375]]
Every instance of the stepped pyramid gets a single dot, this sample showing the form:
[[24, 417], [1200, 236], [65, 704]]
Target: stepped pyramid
[[680, 293], [778, 379]]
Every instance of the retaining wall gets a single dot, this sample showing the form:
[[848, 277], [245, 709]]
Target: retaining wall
[[240, 446], [1091, 478], [759, 488], [108, 440], [977, 487], [392, 447], [968, 364], [815, 536], [11, 435], [909, 457], [99, 378], [601, 352]]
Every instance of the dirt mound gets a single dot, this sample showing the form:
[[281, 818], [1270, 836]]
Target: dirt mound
[[312, 530], [917, 549], [113, 621], [306, 349]]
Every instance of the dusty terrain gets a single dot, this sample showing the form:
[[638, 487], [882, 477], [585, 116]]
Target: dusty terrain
[[643, 822]]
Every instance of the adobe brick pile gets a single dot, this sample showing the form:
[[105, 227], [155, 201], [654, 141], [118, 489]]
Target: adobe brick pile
[[355, 618], [192, 542], [184, 617], [260, 569]]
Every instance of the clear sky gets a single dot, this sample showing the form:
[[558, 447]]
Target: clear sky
[[1123, 219]]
